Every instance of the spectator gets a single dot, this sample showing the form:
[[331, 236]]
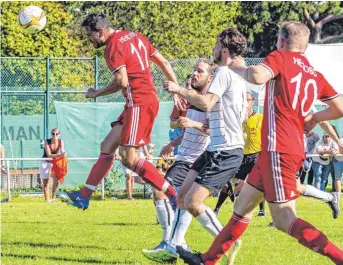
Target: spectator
[[310, 147], [321, 164], [338, 166], [53, 148], [2, 162]]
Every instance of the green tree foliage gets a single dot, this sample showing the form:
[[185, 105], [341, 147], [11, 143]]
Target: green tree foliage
[[55, 40], [177, 29], [260, 21]]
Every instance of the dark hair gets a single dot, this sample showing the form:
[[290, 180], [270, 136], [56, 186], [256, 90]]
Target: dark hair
[[234, 41], [95, 22]]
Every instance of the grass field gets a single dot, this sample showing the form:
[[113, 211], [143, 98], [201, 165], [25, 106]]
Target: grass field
[[115, 231]]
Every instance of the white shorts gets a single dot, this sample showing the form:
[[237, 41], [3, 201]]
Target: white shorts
[[128, 171], [44, 169]]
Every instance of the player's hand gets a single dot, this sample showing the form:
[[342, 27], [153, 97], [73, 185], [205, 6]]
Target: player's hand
[[171, 87], [309, 123], [185, 122], [167, 151], [91, 93], [64, 154], [179, 102]]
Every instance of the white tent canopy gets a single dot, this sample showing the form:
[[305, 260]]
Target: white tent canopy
[[325, 58]]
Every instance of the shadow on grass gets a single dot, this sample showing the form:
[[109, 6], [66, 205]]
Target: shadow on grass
[[43, 245], [62, 259]]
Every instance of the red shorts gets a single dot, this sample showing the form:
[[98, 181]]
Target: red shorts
[[137, 124], [275, 174]]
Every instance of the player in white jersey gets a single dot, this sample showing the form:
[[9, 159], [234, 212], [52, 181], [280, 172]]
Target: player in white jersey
[[225, 102], [194, 141]]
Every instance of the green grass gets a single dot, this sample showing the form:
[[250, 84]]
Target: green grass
[[115, 231]]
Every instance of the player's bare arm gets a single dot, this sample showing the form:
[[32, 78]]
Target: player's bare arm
[[331, 132], [119, 82], [168, 71], [185, 122], [333, 112], [203, 102], [255, 74], [168, 149]]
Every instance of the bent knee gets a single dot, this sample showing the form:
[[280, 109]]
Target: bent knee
[[193, 208]]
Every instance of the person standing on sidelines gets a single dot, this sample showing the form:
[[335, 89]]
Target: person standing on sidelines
[[53, 148], [192, 143], [292, 88], [225, 104], [128, 55], [252, 135]]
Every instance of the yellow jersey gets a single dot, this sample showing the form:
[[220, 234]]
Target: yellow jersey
[[252, 129]]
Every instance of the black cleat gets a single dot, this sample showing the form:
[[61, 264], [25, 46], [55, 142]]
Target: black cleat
[[189, 257], [334, 204]]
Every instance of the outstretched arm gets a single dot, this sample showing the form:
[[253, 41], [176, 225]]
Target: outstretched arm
[[203, 102], [119, 82], [168, 71]]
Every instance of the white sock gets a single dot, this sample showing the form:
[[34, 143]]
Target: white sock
[[210, 222], [165, 216], [91, 187], [311, 191], [181, 223]]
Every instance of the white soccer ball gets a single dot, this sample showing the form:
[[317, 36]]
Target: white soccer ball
[[32, 19]]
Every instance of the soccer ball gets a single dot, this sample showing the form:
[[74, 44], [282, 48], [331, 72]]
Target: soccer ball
[[32, 19]]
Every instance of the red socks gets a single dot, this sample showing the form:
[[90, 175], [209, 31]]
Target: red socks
[[227, 236], [99, 170], [310, 237], [149, 173]]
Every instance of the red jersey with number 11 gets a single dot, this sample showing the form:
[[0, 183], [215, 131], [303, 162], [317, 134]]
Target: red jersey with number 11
[[133, 51], [289, 97]]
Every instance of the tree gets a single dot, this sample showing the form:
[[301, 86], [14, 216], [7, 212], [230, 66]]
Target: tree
[[260, 21], [55, 40], [325, 20]]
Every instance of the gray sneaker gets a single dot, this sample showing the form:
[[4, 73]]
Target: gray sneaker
[[334, 204]]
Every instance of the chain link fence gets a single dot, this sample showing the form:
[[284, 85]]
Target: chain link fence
[[30, 85]]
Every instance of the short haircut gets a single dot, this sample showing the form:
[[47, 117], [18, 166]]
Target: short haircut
[[234, 41], [252, 95], [95, 22], [212, 66], [55, 130], [296, 34]]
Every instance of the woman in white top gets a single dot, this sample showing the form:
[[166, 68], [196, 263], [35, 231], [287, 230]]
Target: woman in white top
[[321, 164]]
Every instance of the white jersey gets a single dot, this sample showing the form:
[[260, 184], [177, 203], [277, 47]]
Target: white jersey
[[194, 142], [227, 115]]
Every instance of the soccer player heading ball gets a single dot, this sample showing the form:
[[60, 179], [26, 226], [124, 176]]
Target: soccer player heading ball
[[128, 55]]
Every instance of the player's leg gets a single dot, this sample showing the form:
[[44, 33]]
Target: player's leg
[[145, 169], [46, 189], [176, 174], [306, 234], [282, 207], [249, 198], [136, 132], [224, 193], [100, 169]]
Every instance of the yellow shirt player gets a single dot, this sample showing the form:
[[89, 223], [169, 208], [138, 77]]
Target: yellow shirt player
[[252, 133]]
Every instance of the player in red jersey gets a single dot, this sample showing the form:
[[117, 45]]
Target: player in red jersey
[[293, 86], [128, 55]]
